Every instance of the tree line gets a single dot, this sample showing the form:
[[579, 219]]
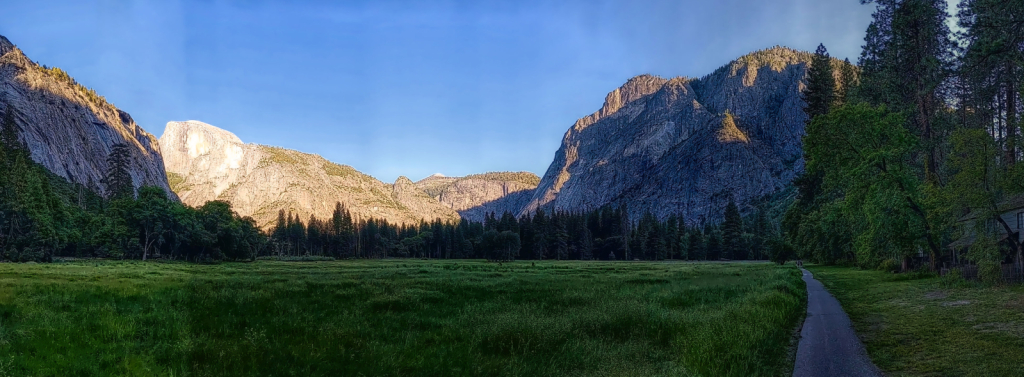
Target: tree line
[[924, 132], [602, 234]]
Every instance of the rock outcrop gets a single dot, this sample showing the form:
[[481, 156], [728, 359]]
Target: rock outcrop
[[70, 129], [477, 195], [685, 146], [207, 163]]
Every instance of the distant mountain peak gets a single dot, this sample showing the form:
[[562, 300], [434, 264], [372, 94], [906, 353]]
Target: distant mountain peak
[[209, 163], [196, 131], [634, 89], [676, 146], [476, 195]]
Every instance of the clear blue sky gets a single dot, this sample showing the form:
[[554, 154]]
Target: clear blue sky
[[404, 87]]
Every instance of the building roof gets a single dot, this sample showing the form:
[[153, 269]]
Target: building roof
[[1013, 203]]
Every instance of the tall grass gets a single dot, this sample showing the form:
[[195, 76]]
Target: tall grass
[[396, 318]]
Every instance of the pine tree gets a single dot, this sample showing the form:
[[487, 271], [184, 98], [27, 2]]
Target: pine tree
[[821, 84], [991, 71], [713, 243], [540, 229], [763, 232], [118, 179], [847, 81], [732, 232], [906, 63], [9, 133]]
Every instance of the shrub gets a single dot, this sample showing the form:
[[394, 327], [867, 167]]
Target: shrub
[[889, 265]]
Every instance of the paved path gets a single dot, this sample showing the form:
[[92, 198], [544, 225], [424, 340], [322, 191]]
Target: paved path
[[828, 345]]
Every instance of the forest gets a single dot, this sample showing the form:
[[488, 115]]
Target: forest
[[604, 234], [926, 133]]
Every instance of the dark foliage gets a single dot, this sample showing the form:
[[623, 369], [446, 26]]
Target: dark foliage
[[43, 216]]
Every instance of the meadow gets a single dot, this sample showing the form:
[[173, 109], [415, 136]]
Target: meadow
[[398, 318], [923, 325]]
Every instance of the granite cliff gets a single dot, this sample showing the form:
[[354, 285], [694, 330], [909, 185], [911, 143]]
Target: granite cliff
[[475, 196], [685, 146], [70, 129], [207, 163]]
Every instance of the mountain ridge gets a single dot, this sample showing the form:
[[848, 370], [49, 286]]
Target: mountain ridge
[[70, 129], [685, 146], [476, 195], [209, 163]]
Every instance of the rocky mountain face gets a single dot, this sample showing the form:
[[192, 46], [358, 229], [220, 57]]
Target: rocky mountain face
[[70, 129], [477, 195], [207, 163], [685, 146]]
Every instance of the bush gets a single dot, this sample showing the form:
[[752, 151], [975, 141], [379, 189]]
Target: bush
[[985, 252], [780, 251], [889, 265], [990, 271]]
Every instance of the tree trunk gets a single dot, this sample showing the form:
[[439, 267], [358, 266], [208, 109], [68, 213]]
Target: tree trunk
[[1011, 118], [1014, 241], [932, 246], [145, 246]]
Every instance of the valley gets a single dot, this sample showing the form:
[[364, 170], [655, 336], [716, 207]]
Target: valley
[[775, 212]]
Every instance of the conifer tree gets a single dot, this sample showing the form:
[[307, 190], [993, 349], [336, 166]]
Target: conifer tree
[[732, 232], [847, 80], [906, 63], [713, 243], [118, 179], [991, 70], [9, 133], [821, 84]]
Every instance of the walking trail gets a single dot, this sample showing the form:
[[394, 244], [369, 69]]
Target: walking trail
[[828, 345]]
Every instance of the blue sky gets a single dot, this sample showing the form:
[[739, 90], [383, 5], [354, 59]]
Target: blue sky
[[404, 87]]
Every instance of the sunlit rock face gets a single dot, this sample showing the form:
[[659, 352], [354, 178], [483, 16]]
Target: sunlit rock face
[[477, 195], [684, 146], [207, 163], [69, 129]]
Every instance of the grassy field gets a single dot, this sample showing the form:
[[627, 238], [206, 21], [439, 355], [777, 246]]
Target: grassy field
[[397, 318], [932, 326]]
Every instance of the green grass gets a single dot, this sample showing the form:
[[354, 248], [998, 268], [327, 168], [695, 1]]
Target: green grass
[[398, 318], [930, 326]]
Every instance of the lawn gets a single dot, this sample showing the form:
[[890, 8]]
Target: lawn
[[398, 318], [932, 326]]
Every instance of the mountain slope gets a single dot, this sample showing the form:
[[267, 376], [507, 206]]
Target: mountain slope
[[684, 146], [476, 195], [70, 129], [207, 163]]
